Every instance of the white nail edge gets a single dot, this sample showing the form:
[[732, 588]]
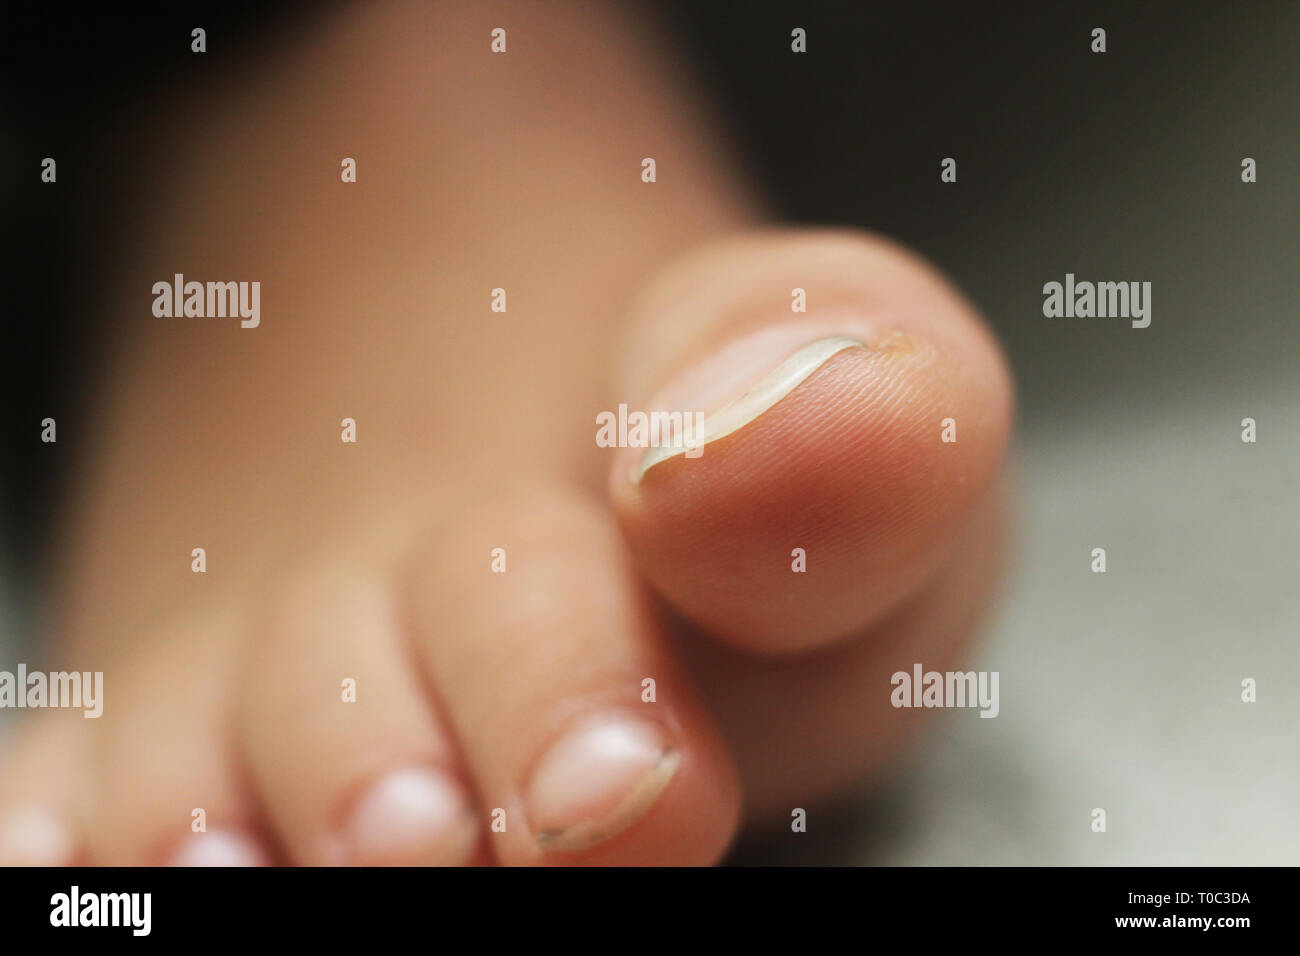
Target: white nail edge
[[631, 808], [776, 385]]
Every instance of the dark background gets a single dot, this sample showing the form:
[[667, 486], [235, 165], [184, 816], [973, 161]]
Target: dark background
[[1067, 161]]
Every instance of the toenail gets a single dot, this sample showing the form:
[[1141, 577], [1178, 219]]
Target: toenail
[[413, 816], [32, 836], [598, 780], [219, 848], [778, 379]]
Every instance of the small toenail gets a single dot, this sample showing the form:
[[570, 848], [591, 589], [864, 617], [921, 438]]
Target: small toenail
[[32, 836], [219, 848], [417, 816], [599, 780]]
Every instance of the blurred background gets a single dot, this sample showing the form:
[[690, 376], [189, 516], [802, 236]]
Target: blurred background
[[1120, 690]]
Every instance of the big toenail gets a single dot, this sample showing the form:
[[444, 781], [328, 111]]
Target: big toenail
[[763, 368]]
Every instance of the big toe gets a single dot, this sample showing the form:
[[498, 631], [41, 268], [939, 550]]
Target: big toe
[[827, 459]]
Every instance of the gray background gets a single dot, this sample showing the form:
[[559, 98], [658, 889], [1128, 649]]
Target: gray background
[[1122, 690]]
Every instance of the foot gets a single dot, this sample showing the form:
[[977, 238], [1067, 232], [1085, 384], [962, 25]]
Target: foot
[[474, 635]]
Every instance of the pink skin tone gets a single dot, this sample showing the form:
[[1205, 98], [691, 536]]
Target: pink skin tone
[[498, 717]]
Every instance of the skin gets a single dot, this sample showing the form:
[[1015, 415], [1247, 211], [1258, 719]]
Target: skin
[[475, 430]]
